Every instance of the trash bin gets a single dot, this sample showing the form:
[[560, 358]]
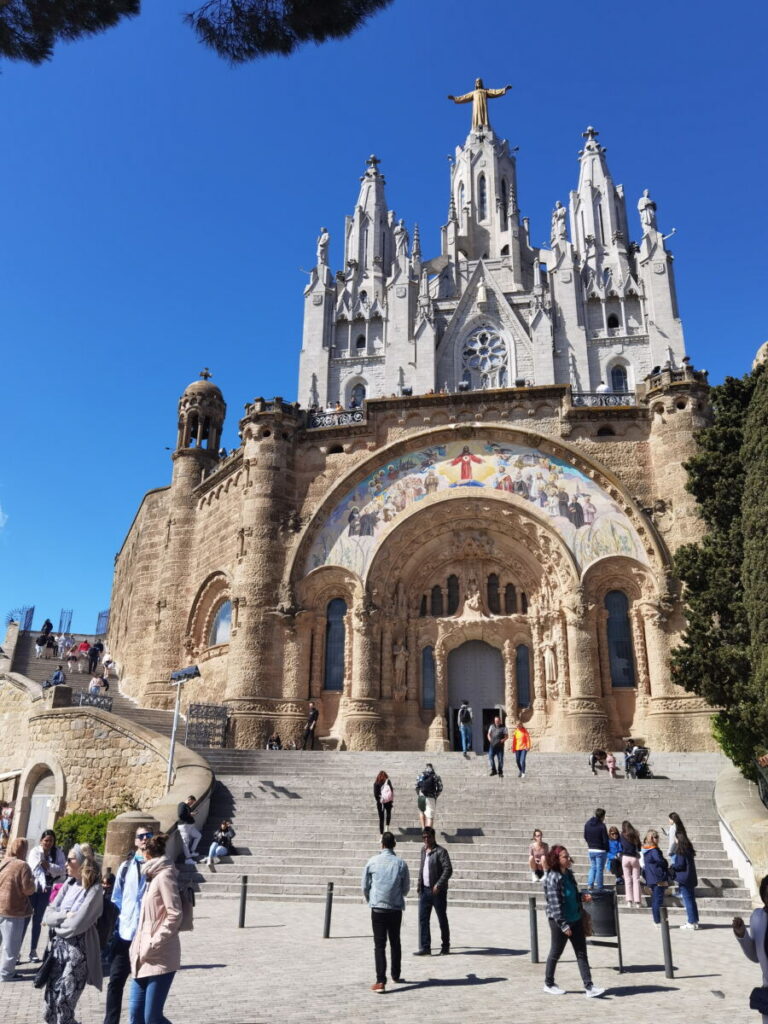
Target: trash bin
[[601, 909]]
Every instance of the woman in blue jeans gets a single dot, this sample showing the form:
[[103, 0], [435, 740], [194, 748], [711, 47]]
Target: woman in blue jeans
[[155, 951], [656, 873], [684, 864]]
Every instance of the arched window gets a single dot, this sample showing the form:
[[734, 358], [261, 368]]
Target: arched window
[[523, 602], [493, 594], [357, 396], [360, 342], [510, 599], [221, 625], [428, 678], [436, 607], [453, 594], [606, 432], [523, 675], [619, 631], [335, 637], [462, 197], [504, 204], [613, 320], [423, 606], [482, 198], [619, 379]]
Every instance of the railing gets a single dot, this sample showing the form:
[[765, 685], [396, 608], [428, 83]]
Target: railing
[[91, 700], [597, 398], [335, 419]]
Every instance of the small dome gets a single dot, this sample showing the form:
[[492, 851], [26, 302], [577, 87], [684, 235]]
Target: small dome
[[761, 356], [204, 386]]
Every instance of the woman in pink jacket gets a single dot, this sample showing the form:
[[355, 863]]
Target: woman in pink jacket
[[155, 952]]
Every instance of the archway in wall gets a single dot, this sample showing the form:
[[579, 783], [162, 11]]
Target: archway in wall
[[41, 807], [475, 673]]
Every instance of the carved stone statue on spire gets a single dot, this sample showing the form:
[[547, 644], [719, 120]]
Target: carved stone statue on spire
[[322, 247], [401, 241], [558, 223], [479, 99], [647, 210]]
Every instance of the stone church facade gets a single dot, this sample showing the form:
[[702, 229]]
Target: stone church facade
[[477, 495]]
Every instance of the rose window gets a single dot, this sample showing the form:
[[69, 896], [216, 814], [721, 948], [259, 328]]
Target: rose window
[[484, 359]]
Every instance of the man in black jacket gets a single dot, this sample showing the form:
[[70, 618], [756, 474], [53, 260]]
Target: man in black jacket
[[596, 838], [434, 871], [188, 831]]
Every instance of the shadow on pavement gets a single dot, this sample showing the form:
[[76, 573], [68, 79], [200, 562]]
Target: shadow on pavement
[[639, 990], [202, 967], [471, 979], [487, 951]]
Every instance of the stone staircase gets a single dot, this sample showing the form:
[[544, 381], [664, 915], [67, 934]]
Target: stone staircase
[[306, 818], [40, 669]]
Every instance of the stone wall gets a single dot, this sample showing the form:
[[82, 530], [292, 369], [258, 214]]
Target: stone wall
[[103, 762]]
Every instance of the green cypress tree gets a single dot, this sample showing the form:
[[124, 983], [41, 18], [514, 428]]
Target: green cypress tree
[[714, 658], [755, 526]]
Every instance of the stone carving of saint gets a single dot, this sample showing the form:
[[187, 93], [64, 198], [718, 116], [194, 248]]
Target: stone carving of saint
[[558, 222], [550, 663], [647, 210], [322, 247], [400, 659], [401, 241], [479, 100]]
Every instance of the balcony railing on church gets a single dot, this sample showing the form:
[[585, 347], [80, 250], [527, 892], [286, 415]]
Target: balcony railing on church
[[317, 418], [598, 398]]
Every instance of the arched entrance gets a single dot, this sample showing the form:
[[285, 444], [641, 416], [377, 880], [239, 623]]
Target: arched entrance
[[475, 673]]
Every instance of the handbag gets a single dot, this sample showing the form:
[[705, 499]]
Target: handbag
[[758, 1000], [615, 866], [42, 973], [422, 802], [586, 923]]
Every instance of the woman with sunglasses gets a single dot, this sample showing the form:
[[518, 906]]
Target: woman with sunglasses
[[564, 915], [75, 946], [537, 856]]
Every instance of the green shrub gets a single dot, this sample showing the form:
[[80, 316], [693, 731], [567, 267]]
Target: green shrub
[[84, 828]]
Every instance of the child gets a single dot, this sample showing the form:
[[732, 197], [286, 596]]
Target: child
[[610, 764], [614, 855], [656, 873]]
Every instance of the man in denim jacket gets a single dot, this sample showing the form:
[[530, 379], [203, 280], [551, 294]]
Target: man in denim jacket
[[385, 885]]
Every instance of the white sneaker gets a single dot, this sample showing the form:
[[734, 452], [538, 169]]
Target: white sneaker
[[594, 992], [554, 990], [689, 927], [534, 877]]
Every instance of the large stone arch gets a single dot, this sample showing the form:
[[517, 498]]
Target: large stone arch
[[363, 492]]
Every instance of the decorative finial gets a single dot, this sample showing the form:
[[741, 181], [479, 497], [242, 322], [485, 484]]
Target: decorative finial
[[373, 161], [205, 373], [590, 133], [416, 249]]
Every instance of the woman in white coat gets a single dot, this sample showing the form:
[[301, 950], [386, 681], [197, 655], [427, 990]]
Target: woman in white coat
[[753, 939]]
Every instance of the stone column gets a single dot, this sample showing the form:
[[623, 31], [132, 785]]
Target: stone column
[[537, 659], [413, 671], [386, 659], [437, 739], [297, 634], [586, 725], [362, 716], [510, 679]]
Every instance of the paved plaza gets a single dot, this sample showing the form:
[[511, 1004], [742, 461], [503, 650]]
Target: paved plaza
[[280, 969]]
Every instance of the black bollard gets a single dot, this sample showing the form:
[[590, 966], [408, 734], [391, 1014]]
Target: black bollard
[[669, 969], [243, 898], [534, 929], [328, 908]]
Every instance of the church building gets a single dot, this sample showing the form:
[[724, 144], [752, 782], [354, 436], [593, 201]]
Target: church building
[[476, 495]]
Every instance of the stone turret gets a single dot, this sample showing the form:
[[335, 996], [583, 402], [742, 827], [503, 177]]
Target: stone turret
[[201, 420]]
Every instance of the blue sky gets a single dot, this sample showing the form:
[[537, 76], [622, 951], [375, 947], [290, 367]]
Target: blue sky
[[159, 206]]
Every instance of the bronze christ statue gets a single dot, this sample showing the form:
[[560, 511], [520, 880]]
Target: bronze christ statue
[[479, 100]]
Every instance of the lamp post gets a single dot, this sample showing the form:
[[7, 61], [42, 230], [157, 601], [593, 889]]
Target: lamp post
[[178, 679]]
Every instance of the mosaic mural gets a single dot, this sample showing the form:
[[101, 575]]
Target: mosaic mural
[[590, 523]]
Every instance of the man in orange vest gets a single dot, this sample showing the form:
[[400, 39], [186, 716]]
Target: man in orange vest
[[521, 744]]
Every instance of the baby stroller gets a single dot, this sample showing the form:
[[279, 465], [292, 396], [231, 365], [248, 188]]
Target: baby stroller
[[637, 765]]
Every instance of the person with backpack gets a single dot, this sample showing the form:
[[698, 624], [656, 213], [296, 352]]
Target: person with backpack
[[429, 786], [155, 952], [656, 871], [465, 727], [384, 795], [127, 894]]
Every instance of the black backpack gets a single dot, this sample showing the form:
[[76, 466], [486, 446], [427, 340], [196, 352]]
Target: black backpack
[[430, 784], [465, 715]]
